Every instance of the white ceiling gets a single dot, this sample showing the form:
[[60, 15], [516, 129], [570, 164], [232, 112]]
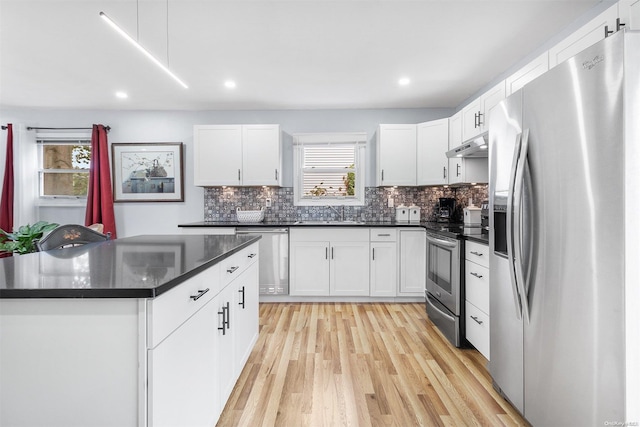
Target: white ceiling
[[298, 54]]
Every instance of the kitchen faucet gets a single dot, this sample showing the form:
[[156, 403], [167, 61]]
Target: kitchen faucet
[[341, 212]]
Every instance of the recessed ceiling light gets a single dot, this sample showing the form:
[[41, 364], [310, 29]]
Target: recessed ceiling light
[[404, 81], [230, 84], [121, 95]]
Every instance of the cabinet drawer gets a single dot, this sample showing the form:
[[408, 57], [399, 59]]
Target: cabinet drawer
[[168, 311], [477, 253], [477, 328], [231, 267], [383, 234], [477, 285]]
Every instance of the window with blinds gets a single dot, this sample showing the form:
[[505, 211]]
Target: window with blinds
[[63, 165], [329, 169]]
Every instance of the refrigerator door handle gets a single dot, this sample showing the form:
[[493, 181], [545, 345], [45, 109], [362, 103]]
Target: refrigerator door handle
[[517, 223], [510, 227]]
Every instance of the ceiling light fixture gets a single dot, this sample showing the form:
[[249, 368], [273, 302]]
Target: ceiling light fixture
[[404, 81], [131, 40], [230, 84], [121, 95]]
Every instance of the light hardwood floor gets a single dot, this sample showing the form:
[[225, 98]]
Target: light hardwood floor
[[343, 364]]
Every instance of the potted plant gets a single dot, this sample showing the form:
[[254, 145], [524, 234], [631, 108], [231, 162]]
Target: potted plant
[[24, 240]]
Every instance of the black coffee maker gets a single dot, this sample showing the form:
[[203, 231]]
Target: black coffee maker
[[445, 209]]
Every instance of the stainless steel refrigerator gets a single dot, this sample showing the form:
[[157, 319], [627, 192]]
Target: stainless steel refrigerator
[[564, 188]]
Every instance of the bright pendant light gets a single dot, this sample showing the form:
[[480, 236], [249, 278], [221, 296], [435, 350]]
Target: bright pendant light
[[131, 40]]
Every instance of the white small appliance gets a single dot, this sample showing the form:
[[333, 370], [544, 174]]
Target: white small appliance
[[414, 214], [402, 214]]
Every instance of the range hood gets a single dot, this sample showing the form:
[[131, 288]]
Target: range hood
[[477, 147]]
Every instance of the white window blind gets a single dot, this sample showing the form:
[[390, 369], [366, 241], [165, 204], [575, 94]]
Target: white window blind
[[329, 169]]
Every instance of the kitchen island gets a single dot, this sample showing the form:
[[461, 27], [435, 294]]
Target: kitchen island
[[146, 330]]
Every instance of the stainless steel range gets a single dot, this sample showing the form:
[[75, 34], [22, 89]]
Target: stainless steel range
[[443, 291]]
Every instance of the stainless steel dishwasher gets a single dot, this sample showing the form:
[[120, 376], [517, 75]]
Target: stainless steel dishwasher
[[274, 258]]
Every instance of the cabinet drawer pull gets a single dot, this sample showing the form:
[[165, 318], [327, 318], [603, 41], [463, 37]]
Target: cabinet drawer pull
[[197, 296], [228, 315], [479, 322], [251, 255], [476, 253], [241, 291], [232, 269], [222, 328], [384, 235], [479, 276]]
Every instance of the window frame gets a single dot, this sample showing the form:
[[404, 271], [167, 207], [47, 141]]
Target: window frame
[[356, 139], [59, 138]]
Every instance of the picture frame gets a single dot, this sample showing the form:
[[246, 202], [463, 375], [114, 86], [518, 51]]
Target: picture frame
[[148, 172]]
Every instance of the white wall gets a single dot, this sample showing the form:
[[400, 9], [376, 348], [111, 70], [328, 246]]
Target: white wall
[[177, 126]]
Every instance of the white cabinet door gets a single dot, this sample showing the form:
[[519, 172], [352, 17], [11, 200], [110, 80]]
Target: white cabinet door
[[246, 314], [413, 262], [396, 155], [587, 35], [490, 99], [477, 115], [349, 268], [182, 374], [261, 155], [217, 154], [384, 269], [629, 13], [433, 143], [529, 72], [472, 120], [309, 268]]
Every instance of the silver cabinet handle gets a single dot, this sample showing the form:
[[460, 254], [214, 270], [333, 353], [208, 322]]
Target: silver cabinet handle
[[458, 169], [382, 175], [476, 253], [479, 322], [444, 171], [223, 328], [479, 276], [241, 291], [197, 296], [251, 255], [238, 175], [276, 174], [232, 269], [373, 251], [384, 235], [226, 320]]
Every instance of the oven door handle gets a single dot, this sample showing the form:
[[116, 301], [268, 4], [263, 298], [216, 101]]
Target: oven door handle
[[447, 315], [441, 242]]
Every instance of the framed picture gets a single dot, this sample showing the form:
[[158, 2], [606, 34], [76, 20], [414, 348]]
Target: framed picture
[[147, 172]]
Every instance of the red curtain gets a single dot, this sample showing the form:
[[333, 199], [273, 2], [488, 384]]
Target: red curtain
[[6, 203], [100, 195]]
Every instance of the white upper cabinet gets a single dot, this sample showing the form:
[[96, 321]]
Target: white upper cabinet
[[464, 170], [587, 35], [261, 159], [476, 115], [217, 155], [396, 155], [237, 155], [629, 13], [433, 143], [529, 72]]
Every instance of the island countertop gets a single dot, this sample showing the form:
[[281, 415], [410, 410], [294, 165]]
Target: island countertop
[[132, 267]]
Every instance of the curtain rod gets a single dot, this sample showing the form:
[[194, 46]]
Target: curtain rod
[[107, 128]]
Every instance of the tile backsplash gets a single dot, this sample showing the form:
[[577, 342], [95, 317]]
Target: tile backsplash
[[220, 203]]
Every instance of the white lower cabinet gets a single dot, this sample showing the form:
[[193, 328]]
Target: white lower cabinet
[[200, 336], [383, 262], [328, 261], [182, 372], [413, 262], [477, 319]]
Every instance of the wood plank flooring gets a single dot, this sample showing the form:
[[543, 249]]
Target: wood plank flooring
[[369, 364]]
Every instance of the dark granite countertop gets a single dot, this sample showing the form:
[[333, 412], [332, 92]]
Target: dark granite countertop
[[295, 223], [132, 267]]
